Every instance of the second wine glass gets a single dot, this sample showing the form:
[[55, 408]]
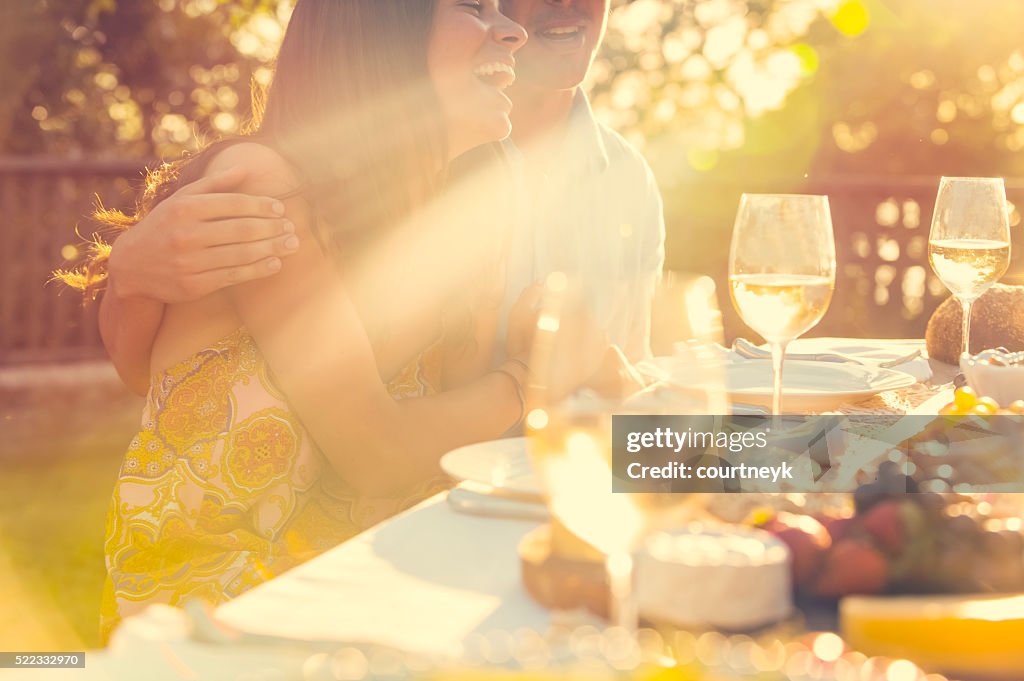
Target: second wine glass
[[969, 242], [782, 269]]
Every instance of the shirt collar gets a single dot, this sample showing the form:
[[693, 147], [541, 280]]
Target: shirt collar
[[584, 137]]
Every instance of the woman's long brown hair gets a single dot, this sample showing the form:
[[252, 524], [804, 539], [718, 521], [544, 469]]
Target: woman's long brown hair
[[351, 107]]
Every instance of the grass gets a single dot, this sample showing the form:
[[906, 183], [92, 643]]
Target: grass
[[59, 454]]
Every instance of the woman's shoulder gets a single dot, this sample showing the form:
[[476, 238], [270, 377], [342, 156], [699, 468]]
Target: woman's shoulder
[[267, 171]]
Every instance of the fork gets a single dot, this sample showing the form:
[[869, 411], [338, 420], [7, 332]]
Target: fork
[[745, 348]]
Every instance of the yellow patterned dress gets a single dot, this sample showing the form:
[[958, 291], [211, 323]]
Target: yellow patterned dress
[[223, 489]]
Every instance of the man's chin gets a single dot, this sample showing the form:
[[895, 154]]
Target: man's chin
[[552, 81], [557, 75]]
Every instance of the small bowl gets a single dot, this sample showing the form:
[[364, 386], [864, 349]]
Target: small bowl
[[1004, 384]]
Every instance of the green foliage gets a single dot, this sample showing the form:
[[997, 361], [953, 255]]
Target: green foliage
[[139, 78]]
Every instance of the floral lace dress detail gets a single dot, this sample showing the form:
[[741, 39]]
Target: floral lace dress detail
[[223, 489]]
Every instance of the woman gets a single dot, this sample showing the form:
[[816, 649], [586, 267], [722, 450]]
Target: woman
[[272, 424]]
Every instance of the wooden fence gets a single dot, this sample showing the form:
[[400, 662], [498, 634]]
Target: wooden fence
[[884, 288], [42, 201]]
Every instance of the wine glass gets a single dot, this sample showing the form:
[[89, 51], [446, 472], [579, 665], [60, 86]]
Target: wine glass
[[578, 383], [782, 269], [969, 243]]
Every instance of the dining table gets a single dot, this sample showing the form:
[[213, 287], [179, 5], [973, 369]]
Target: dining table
[[432, 578], [431, 581]]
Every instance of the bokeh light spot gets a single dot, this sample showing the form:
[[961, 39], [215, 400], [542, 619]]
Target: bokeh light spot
[[946, 112], [902, 670], [828, 647], [851, 18], [922, 80], [537, 419], [1017, 114], [808, 57]]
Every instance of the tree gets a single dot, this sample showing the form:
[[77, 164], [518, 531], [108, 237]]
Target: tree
[[139, 79]]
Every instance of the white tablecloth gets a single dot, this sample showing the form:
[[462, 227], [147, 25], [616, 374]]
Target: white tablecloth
[[422, 581]]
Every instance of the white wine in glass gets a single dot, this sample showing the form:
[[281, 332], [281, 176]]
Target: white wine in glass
[[569, 422], [782, 270], [781, 307], [969, 243]]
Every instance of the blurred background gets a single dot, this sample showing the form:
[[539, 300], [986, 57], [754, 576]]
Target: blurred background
[[868, 101]]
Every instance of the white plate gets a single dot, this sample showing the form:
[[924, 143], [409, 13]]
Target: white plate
[[501, 464], [807, 387]]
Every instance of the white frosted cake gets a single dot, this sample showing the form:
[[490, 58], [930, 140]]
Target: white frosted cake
[[721, 577]]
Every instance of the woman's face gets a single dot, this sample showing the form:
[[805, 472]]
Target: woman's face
[[471, 62]]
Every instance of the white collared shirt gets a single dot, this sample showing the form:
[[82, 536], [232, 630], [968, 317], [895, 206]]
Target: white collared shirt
[[597, 216]]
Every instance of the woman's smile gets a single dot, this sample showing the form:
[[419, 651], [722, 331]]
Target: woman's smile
[[471, 62], [496, 74]]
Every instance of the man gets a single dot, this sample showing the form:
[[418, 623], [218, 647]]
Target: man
[[593, 208]]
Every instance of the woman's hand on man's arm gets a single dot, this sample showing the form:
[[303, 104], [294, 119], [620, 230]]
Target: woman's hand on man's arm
[[201, 239]]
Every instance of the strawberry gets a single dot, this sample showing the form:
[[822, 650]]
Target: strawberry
[[807, 539], [885, 523], [853, 566]]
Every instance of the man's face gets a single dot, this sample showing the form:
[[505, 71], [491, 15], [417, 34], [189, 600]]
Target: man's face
[[564, 35]]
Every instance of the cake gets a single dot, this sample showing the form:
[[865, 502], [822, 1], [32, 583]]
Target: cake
[[721, 577], [726, 577], [997, 320]]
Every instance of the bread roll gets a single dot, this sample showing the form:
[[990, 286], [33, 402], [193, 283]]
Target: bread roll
[[997, 320]]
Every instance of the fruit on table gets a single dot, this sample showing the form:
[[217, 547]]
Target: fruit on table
[[957, 635], [807, 539], [853, 566], [965, 398], [906, 543], [837, 527], [968, 450], [884, 522], [967, 402], [890, 483], [913, 534]]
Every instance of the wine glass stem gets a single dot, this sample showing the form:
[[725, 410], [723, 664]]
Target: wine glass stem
[[622, 602], [965, 343], [778, 354]]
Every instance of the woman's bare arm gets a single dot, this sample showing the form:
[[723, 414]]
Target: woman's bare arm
[[202, 238], [307, 326], [128, 327]]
